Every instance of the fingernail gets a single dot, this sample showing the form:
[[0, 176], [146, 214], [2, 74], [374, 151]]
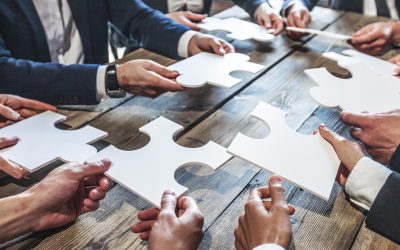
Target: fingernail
[[276, 179], [15, 115], [14, 138], [323, 125], [169, 192], [108, 184]]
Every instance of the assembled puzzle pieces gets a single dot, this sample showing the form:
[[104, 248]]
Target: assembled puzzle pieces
[[42, 143], [203, 68], [365, 91], [375, 64], [239, 29], [149, 171], [306, 160]]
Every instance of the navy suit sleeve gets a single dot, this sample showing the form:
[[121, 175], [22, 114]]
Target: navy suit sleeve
[[48, 82], [384, 215], [395, 161], [149, 27], [310, 4], [249, 6]]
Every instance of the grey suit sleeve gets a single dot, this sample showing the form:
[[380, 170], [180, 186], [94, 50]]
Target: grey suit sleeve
[[384, 215]]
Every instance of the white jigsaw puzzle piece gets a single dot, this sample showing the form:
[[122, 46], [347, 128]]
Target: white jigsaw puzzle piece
[[239, 29], [203, 68], [365, 91], [306, 160], [42, 143], [149, 171], [375, 64]]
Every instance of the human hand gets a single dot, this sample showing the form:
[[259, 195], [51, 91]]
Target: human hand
[[177, 226], [14, 108], [7, 167], [146, 78], [374, 38], [348, 152], [265, 222], [268, 18], [379, 132], [67, 192], [187, 18], [201, 42], [297, 16]]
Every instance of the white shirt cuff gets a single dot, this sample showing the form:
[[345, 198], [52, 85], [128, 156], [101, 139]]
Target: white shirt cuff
[[183, 45], [101, 83], [365, 182], [269, 247]]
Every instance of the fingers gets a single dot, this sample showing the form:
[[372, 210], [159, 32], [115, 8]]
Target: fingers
[[96, 194], [194, 16], [7, 142], [12, 169], [149, 214], [26, 113], [228, 48], [362, 120], [9, 113], [93, 168], [90, 205], [143, 226], [191, 214], [36, 105], [217, 46], [268, 206], [145, 235], [161, 70], [168, 202]]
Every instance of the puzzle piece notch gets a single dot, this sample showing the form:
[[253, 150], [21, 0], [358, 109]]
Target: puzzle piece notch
[[375, 64], [239, 29], [203, 68], [364, 91], [149, 171], [307, 161], [46, 143]]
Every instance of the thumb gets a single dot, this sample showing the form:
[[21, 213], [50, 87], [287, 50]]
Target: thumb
[[330, 136], [9, 113], [195, 17], [161, 70], [361, 120], [168, 201], [7, 142], [94, 168]]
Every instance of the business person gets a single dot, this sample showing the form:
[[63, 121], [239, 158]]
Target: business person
[[62, 196], [178, 225], [189, 13], [372, 39], [369, 184], [53, 50]]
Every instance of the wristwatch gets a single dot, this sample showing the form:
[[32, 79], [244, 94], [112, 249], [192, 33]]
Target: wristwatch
[[112, 87]]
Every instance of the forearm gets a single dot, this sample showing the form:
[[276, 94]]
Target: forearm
[[16, 216], [49, 82]]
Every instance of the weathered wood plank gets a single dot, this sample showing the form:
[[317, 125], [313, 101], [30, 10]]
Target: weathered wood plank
[[213, 192], [367, 239]]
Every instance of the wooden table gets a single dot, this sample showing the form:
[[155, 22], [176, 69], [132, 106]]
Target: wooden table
[[218, 114]]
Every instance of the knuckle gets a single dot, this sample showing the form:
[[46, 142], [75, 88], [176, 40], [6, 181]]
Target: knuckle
[[250, 206]]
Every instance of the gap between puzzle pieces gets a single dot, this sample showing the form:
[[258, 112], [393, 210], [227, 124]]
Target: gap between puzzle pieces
[[308, 161], [46, 143], [239, 29], [203, 68], [149, 171]]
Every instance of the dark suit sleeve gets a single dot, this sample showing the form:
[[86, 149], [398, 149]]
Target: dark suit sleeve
[[310, 4], [249, 6], [384, 215], [48, 82], [395, 161], [149, 27]]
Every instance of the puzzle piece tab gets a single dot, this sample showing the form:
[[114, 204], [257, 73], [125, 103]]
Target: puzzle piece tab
[[205, 67], [149, 171], [306, 160], [42, 143], [375, 64], [365, 91], [239, 29]]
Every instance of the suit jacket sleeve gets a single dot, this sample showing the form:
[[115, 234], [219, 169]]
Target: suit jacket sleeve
[[149, 27], [249, 6], [384, 215], [48, 82], [395, 161], [310, 4]]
